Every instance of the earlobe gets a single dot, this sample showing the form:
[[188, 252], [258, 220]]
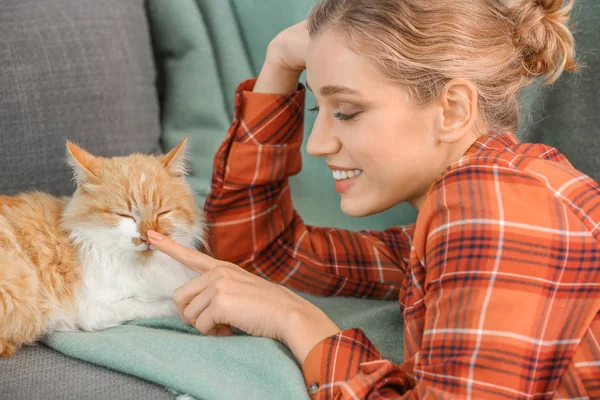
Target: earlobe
[[458, 100], [450, 137]]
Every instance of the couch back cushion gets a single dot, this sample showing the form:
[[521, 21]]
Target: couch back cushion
[[566, 115], [204, 48], [81, 70]]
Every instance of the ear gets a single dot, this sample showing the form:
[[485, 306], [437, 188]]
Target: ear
[[83, 163], [458, 101], [175, 160]]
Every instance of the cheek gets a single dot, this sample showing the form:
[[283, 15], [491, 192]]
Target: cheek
[[175, 223], [127, 227], [169, 224]]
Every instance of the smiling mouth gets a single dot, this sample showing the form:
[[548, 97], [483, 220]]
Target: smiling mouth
[[340, 175], [344, 180]]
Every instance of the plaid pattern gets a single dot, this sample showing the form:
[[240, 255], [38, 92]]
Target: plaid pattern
[[508, 235]]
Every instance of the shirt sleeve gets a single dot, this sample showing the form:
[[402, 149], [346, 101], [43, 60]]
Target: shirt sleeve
[[508, 295], [253, 222]]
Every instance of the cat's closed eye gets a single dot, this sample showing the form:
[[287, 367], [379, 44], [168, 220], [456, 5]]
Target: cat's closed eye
[[125, 216], [163, 213]]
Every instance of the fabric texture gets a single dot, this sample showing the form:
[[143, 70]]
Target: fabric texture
[[79, 70], [176, 356], [507, 235], [38, 372]]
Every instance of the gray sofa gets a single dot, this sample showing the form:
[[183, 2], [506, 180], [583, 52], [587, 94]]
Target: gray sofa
[[86, 70]]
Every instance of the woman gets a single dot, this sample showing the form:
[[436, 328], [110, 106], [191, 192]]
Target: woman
[[498, 279]]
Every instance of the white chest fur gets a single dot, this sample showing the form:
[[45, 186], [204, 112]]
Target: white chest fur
[[120, 288], [119, 285]]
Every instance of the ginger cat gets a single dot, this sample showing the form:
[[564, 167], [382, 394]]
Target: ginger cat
[[83, 262]]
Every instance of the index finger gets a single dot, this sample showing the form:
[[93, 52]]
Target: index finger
[[191, 258]]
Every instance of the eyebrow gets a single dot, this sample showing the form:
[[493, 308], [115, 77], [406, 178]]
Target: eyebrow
[[330, 90]]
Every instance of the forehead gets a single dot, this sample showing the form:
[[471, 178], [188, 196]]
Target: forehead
[[329, 61], [133, 167], [135, 179]]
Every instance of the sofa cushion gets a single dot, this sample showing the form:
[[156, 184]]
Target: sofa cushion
[[37, 372], [81, 70]]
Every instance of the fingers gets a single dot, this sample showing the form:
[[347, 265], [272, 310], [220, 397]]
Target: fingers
[[219, 278], [200, 314], [191, 258], [205, 323], [184, 294], [189, 313]]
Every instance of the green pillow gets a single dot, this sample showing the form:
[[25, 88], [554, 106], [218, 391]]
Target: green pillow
[[203, 50]]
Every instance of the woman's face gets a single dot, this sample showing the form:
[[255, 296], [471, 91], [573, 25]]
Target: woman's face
[[382, 147]]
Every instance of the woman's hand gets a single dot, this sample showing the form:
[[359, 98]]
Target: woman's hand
[[226, 295], [285, 61], [288, 48]]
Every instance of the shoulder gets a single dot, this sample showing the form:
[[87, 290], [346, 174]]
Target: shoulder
[[523, 166], [525, 184]]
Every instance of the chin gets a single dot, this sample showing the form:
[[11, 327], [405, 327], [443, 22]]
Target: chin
[[145, 255], [355, 208], [363, 207]]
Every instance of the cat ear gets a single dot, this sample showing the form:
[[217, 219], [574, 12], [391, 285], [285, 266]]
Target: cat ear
[[82, 162], [175, 160]]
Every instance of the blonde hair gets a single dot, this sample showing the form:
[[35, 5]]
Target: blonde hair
[[423, 44]]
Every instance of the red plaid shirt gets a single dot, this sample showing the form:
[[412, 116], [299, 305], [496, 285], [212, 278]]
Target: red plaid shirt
[[498, 280]]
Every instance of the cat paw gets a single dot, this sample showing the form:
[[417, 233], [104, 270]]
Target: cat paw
[[7, 348]]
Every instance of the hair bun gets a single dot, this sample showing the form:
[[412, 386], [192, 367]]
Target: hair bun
[[544, 38]]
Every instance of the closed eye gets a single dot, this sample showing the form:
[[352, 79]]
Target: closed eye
[[125, 216], [162, 214]]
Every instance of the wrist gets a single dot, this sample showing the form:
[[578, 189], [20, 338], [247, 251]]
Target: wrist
[[305, 327], [276, 78]]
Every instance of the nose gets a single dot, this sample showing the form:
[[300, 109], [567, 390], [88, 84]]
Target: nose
[[321, 141], [144, 227]]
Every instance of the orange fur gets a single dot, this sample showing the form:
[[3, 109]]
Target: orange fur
[[40, 267]]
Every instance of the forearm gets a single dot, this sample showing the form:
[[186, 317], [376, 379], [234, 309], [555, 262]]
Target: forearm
[[274, 78], [252, 218]]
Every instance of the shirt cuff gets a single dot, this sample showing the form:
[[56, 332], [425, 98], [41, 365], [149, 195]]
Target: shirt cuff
[[268, 118], [337, 358]]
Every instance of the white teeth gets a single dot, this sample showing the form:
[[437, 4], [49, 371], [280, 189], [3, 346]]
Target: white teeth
[[340, 175]]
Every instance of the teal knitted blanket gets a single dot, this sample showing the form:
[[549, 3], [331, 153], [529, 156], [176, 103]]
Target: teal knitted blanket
[[173, 355]]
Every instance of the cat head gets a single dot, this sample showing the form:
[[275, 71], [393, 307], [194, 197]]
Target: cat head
[[119, 199]]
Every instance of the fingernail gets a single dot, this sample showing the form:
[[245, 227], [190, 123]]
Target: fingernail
[[155, 235]]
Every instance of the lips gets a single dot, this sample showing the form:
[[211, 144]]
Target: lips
[[344, 177]]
